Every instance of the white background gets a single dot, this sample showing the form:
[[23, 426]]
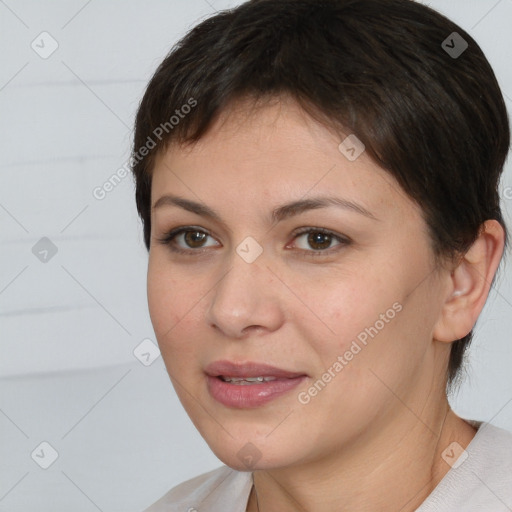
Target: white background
[[68, 327]]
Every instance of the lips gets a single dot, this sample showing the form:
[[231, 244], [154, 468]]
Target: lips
[[253, 370], [249, 385]]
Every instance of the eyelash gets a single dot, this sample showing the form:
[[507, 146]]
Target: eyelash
[[170, 236]]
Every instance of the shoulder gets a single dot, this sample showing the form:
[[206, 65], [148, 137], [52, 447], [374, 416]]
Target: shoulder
[[481, 477], [492, 451], [216, 490]]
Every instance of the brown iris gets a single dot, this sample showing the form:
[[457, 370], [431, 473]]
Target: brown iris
[[194, 237], [323, 239]]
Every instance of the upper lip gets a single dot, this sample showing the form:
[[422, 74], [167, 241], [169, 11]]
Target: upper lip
[[249, 369]]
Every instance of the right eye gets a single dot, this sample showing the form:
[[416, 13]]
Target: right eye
[[192, 237]]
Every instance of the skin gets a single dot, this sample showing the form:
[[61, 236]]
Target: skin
[[372, 438]]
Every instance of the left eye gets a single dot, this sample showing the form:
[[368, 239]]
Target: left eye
[[319, 239]]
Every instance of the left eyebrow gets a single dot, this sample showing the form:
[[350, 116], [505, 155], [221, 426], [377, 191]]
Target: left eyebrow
[[297, 207], [278, 214]]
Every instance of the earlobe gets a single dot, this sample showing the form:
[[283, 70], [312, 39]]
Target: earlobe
[[469, 284]]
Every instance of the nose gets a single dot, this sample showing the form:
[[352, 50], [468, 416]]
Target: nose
[[247, 298]]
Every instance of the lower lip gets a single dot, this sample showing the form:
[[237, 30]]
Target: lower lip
[[250, 395]]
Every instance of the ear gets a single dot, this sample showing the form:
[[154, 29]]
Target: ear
[[469, 284]]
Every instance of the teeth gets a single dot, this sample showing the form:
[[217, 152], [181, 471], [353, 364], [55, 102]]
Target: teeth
[[241, 381]]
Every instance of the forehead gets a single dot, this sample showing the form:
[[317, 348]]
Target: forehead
[[274, 152]]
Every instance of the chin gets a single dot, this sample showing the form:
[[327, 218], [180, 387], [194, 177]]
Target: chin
[[256, 454]]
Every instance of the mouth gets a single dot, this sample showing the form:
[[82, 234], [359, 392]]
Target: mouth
[[244, 381], [249, 385]]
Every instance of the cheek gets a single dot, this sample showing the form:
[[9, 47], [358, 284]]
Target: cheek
[[351, 312], [167, 303], [160, 298]]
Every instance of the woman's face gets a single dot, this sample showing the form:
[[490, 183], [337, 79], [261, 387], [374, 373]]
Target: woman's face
[[342, 296]]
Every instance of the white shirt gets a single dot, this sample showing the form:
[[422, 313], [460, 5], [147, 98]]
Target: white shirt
[[481, 483]]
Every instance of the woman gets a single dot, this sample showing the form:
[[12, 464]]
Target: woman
[[318, 185]]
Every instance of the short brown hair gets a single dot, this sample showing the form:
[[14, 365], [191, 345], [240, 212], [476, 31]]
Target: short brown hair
[[437, 122]]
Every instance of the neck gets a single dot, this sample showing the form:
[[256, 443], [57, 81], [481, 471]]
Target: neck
[[395, 470]]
